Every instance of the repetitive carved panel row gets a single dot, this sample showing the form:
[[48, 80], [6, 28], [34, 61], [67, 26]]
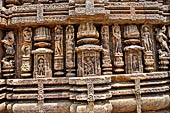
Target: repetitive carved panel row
[[85, 50]]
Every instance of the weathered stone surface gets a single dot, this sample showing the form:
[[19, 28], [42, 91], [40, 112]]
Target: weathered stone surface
[[84, 56]]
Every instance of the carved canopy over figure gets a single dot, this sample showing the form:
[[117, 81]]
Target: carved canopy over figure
[[146, 39], [8, 42], [117, 39], [161, 38]]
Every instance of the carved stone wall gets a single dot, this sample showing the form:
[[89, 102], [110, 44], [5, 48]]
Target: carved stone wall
[[84, 56]]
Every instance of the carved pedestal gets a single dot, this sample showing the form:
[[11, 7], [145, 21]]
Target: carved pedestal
[[118, 62], [149, 61], [164, 60]]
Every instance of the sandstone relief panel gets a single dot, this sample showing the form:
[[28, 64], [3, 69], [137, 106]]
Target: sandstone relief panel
[[84, 56]]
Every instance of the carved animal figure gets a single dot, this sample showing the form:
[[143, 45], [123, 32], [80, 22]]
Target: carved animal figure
[[6, 63]]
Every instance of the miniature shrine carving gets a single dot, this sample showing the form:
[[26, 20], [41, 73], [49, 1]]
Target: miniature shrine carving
[[84, 56]]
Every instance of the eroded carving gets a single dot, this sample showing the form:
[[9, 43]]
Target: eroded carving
[[8, 64], [117, 49], [70, 51], [164, 51], [26, 52], [148, 44], [58, 53]]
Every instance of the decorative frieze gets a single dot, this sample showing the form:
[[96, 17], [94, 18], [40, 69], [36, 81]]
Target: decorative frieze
[[26, 52]]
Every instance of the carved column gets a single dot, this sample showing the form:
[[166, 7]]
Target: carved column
[[42, 55], [118, 62], [106, 60], [88, 50], [58, 53], [163, 49], [70, 51], [133, 52], [8, 62], [26, 52], [148, 44]]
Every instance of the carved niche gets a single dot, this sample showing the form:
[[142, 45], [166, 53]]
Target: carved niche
[[118, 62], [88, 50], [133, 51], [148, 44], [42, 55]]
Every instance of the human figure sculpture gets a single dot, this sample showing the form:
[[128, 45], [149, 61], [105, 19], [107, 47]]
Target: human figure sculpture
[[117, 39], [58, 41], [161, 38], [146, 38], [41, 67]]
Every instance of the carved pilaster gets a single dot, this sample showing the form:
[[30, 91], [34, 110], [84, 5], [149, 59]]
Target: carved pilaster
[[133, 52], [148, 44], [118, 62], [8, 62], [169, 35], [42, 55], [40, 11], [26, 52], [88, 50], [106, 60], [163, 49], [70, 51], [58, 53], [1, 52]]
